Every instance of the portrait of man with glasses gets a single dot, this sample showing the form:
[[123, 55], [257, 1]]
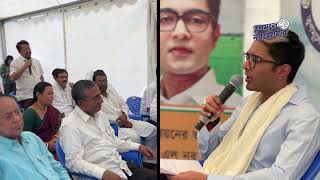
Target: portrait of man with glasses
[[189, 31]]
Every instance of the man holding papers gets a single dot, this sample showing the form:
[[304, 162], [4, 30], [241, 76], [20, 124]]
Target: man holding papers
[[274, 133]]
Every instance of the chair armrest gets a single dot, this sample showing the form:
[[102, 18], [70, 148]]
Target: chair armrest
[[132, 155], [135, 116], [115, 128]]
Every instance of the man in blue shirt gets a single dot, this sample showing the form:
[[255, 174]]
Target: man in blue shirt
[[23, 154], [274, 133]]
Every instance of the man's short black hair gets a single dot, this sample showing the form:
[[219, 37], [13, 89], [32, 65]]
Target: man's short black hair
[[79, 88], [8, 58], [20, 43], [57, 71], [289, 51], [214, 7], [98, 73]]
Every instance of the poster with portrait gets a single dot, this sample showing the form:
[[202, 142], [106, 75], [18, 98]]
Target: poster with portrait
[[201, 47]]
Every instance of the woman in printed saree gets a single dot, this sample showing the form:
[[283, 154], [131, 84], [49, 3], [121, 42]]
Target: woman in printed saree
[[41, 117]]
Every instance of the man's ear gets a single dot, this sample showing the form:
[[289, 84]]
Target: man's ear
[[80, 102], [284, 71], [215, 35]]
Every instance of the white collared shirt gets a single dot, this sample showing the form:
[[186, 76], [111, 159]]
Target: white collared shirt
[[154, 108], [62, 99], [147, 97], [195, 95], [26, 82], [114, 104], [90, 145]]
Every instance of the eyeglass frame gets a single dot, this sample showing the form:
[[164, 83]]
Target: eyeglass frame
[[259, 59], [182, 17]]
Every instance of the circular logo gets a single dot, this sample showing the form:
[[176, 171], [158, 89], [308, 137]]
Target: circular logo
[[283, 23], [309, 25]]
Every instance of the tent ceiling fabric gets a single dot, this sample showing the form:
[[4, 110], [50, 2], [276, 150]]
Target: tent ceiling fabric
[[9, 8]]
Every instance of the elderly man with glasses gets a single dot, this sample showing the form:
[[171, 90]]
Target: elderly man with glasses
[[189, 32], [23, 155]]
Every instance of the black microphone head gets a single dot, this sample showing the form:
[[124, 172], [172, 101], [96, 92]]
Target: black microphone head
[[236, 80]]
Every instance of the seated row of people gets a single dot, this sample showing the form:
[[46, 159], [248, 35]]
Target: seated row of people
[[44, 119], [84, 133]]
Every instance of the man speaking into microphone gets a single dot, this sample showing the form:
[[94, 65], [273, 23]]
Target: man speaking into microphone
[[274, 133], [27, 72]]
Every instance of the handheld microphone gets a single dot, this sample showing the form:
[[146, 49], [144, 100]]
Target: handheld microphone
[[30, 70], [234, 83]]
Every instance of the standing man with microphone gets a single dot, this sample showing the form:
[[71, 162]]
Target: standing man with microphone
[[27, 72], [274, 133]]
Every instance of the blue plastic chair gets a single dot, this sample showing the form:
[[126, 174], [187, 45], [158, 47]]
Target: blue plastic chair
[[134, 103], [12, 93], [313, 169], [62, 160], [132, 155]]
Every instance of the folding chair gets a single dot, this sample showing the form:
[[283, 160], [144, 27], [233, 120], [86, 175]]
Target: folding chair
[[134, 103]]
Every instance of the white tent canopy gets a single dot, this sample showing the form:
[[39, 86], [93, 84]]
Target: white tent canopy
[[11, 8], [114, 35]]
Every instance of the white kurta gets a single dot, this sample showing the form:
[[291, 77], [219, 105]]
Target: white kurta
[[113, 106], [147, 97], [62, 99]]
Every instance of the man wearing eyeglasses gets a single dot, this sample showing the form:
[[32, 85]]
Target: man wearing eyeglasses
[[275, 132], [188, 33], [23, 154]]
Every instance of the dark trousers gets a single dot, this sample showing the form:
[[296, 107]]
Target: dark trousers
[[24, 104], [142, 174], [9, 87], [163, 177]]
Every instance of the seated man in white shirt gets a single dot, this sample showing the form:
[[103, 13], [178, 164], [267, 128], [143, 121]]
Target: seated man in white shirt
[[117, 110], [62, 99], [89, 142]]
